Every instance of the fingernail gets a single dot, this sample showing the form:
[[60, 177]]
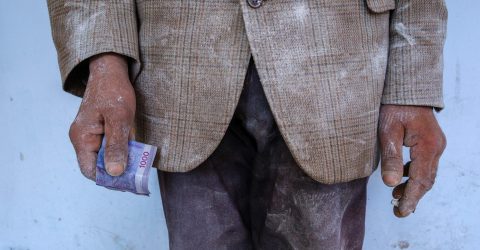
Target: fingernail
[[391, 178], [115, 168]]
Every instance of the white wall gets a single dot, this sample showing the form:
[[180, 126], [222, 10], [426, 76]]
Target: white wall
[[46, 204]]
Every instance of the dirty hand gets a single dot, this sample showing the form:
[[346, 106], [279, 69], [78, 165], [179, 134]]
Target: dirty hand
[[415, 127], [108, 107]]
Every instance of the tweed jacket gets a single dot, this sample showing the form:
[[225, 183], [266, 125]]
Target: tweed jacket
[[326, 67]]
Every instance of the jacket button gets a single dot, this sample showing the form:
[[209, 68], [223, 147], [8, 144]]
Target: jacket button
[[254, 3]]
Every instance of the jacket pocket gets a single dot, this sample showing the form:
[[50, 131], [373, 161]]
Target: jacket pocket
[[379, 6]]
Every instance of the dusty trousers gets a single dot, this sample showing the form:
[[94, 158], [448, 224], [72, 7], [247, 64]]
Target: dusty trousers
[[250, 193]]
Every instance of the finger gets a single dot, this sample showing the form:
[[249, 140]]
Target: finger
[[420, 182], [414, 191], [398, 191], [425, 156], [391, 141], [86, 140], [397, 213], [87, 161], [116, 147]]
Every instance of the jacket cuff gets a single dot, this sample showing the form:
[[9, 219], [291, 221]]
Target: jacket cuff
[[415, 77], [81, 30]]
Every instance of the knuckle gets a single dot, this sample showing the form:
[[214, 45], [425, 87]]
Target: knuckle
[[119, 132], [113, 147], [391, 166], [389, 156], [391, 161], [439, 148], [119, 135], [73, 132], [443, 141], [425, 184], [428, 185], [435, 143]]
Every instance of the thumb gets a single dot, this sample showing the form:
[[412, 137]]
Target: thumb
[[391, 142], [116, 147]]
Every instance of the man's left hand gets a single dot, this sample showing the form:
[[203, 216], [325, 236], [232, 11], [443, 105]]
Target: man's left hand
[[417, 128]]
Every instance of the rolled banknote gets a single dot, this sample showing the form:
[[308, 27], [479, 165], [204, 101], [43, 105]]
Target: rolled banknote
[[135, 177]]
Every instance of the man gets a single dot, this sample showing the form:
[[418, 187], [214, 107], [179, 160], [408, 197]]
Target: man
[[266, 113]]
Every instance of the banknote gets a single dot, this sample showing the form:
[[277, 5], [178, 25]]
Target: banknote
[[135, 177]]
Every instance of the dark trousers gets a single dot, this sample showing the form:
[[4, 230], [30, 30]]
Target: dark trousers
[[250, 193]]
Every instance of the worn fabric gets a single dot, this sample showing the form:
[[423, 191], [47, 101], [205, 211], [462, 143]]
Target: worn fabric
[[325, 67], [251, 194]]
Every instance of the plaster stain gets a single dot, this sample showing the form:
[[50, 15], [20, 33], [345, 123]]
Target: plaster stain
[[300, 12], [402, 30], [403, 244]]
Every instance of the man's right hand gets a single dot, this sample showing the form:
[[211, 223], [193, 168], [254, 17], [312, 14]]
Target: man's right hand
[[108, 108]]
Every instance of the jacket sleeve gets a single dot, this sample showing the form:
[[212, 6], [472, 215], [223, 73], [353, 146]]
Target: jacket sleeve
[[84, 28], [415, 63]]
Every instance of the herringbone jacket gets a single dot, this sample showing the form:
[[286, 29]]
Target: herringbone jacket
[[326, 67]]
